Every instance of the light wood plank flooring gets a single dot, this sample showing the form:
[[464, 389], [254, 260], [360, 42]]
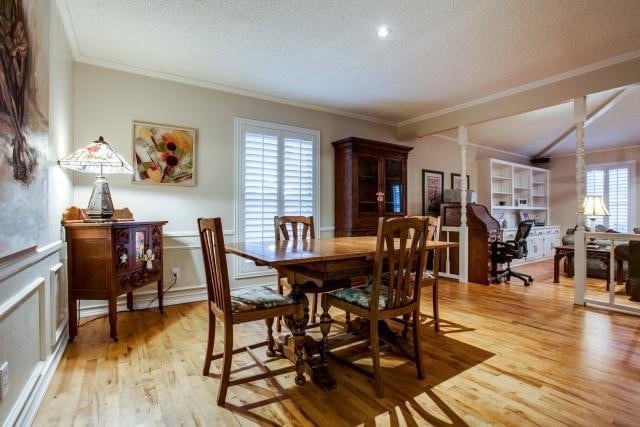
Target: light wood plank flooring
[[506, 355]]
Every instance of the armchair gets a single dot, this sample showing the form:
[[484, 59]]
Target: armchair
[[505, 252]]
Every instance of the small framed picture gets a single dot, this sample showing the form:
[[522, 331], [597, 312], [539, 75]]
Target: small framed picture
[[456, 181], [432, 189], [522, 202]]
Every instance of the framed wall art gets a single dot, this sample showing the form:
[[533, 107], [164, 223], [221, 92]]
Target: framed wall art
[[456, 181], [164, 154], [432, 189]]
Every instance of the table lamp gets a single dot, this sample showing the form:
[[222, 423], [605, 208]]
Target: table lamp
[[99, 158], [594, 207]]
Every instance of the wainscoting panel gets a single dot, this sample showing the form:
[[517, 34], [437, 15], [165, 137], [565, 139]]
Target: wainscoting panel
[[58, 302]]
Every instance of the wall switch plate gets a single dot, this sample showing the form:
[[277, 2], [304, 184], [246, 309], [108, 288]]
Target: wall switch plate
[[4, 380], [175, 272]]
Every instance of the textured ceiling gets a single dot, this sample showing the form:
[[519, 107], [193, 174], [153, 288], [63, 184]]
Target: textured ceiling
[[439, 53], [530, 133]]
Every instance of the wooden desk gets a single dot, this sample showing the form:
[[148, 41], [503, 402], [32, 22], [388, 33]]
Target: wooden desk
[[568, 251], [106, 260], [322, 263]]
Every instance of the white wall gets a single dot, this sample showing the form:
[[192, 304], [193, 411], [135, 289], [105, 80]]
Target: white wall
[[562, 195], [33, 288]]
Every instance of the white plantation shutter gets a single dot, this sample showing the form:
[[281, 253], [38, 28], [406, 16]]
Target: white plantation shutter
[[614, 182], [277, 176]]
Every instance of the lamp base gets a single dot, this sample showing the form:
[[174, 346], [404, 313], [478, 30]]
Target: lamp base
[[100, 208]]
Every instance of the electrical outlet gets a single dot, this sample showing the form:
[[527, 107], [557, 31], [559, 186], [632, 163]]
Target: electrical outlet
[[4, 380], [175, 272]]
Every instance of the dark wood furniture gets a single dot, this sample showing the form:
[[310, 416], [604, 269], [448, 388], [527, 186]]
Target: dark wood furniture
[[108, 259], [322, 262], [483, 229], [393, 292], [370, 182], [562, 251], [240, 306], [287, 228]]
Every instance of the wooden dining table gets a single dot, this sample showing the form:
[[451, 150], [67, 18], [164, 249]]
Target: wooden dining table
[[320, 265]]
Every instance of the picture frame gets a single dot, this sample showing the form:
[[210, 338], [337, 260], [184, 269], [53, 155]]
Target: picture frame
[[163, 154], [432, 190], [456, 181], [523, 202]]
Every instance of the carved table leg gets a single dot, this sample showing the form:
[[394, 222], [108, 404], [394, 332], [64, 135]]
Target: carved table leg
[[113, 312], [556, 266], [130, 301], [292, 346]]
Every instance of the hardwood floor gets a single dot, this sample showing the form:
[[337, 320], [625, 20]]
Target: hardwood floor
[[506, 354]]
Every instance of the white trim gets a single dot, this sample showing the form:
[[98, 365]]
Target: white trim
[[483, 147], [38, 285], [67, 22], [329, 228], [194, 233], [37, 391], [25, 261], [55, 283], [142, 299], [528, 86], [603, 150], [590, 303], [180, 247]]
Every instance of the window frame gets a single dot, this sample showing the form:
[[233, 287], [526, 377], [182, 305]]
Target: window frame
[[631, 164], [239, 127]]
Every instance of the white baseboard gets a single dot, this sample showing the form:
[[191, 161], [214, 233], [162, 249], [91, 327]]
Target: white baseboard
[[144, 299], [26, 408]]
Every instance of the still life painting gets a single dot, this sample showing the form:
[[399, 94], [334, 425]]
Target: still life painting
[[163, 154], [24, 127]]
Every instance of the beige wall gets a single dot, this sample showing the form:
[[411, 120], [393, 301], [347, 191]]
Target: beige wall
[[106, 103], [562, 196]]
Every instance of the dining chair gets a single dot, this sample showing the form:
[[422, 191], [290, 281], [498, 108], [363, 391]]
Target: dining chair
[[399, 264], [242, 305], [294, 228]]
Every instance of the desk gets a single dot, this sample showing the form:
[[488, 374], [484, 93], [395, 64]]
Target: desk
[[568, 251], [324, 263]]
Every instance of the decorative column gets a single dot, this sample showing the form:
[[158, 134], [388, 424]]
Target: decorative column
[[464, 251], [580, 254]]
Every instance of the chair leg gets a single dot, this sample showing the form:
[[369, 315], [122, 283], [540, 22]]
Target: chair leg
[[271, 344], [375, 357], [226, 363], [436, 315], [405, 330], [279, 321], [210, 343], [298, 341], [314, 309], [325, 328], [417, 350]]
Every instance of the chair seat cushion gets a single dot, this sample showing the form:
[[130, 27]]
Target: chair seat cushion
[[256, 298], [361, 296]]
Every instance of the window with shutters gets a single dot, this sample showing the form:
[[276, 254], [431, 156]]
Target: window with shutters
[[615, 183], [277, 175]]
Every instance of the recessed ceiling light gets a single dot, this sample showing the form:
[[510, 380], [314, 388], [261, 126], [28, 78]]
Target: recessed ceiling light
[[383, 32]]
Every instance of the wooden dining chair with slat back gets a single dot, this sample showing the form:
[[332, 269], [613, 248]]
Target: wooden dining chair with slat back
[[399, 264], [294, 228], [236, 306]]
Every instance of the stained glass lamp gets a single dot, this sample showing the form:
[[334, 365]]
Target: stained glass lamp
[[99, 158]]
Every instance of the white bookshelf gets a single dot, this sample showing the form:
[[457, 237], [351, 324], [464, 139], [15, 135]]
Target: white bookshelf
[[514, 188]]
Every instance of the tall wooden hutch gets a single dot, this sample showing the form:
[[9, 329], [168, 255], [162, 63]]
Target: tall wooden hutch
[[371, 182]]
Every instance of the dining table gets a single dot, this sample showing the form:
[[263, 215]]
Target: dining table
[[319, 265]]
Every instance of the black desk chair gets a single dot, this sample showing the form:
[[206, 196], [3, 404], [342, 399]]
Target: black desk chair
[[505, 252]]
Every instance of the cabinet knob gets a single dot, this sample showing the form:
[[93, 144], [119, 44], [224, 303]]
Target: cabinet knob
[[123, 258], [380, 195]]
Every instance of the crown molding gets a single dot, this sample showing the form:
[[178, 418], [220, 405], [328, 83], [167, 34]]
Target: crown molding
[[482, 147], [602, 150], [523, 88], [78, 56]]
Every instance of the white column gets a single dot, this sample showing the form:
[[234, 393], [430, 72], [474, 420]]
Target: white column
[[580, 255], [464, 252]]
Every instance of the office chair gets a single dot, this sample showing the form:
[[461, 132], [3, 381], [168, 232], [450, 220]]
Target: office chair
[[505, 252]]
